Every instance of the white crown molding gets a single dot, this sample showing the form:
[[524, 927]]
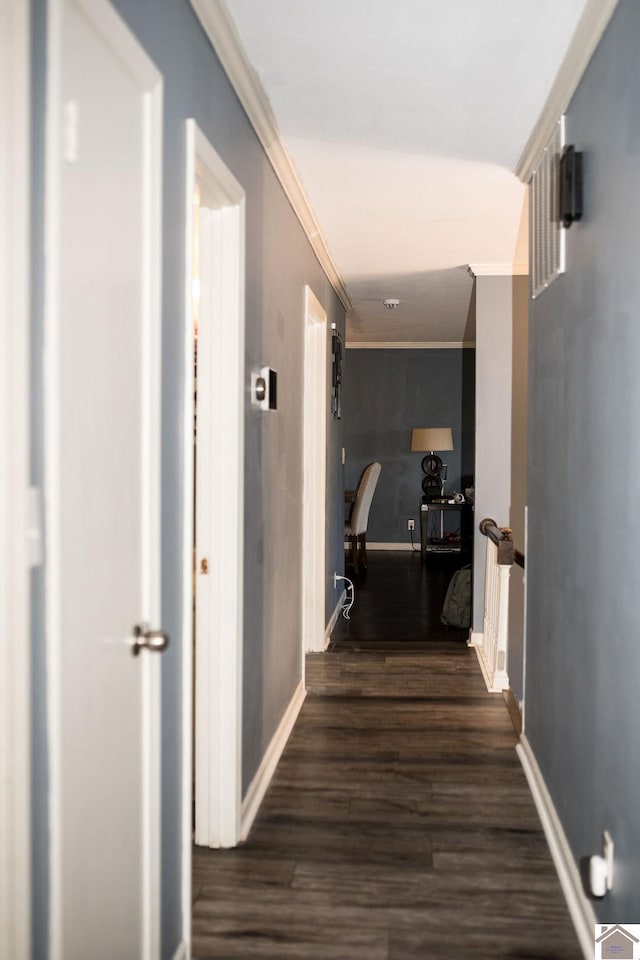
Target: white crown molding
[[591, 26], [409, 345], [223, 35]]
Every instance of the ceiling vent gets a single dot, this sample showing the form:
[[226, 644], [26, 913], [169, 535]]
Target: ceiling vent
[[547, 233]]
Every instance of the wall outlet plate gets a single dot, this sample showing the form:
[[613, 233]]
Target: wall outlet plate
[[411, 524]]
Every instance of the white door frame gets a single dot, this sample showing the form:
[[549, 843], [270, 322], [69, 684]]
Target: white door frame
[[15, 634], [108, 23], [314, 509], [221, 400]]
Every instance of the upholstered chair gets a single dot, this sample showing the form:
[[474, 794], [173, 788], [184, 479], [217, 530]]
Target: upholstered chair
[[356, 527]]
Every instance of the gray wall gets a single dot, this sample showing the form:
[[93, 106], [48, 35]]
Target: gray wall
[[386, 393], [519, 380], [494, 308], [583, 649], [279, 262]]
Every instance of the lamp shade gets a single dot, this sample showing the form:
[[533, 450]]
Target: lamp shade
[[431, 438]]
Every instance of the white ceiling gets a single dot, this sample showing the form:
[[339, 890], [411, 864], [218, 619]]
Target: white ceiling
[[405, 120]]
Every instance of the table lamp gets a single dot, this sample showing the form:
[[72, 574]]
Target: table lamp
[[430, 439]]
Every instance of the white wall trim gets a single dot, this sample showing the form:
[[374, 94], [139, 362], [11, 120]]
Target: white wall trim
[[580, 907], [182, 952], [334, 618], [495, 683], [389, 546], [223, 35], [314, 504], [128, 46], [51, 448], [15, 634], [219, 507], [476, 640], [591, 26], [409, 345], [188, 535], [260, 783]]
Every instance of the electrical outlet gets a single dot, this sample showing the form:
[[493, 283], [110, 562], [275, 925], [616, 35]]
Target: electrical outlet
[[411, 524]]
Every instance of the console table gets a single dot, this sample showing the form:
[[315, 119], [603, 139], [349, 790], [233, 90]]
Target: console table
[[440, 543]]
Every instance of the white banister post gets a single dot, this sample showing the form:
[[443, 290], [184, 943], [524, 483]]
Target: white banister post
[[491, 645]]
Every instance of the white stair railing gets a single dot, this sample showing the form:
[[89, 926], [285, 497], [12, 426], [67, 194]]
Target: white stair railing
[[491, 645]]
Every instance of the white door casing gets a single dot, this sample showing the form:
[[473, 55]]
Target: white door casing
[[219, 514], [15, 637], [102, 483], [314, 473]]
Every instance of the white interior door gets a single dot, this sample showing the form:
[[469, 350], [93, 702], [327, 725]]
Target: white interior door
[[102, 491], [16, 533]]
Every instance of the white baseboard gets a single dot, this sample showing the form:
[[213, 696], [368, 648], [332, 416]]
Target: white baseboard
[[500, 680], [181, 952], [334, 618], [259, 784], [580, 907], [389, 546]]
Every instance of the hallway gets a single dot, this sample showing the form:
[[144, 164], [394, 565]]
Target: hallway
[[399, 824]]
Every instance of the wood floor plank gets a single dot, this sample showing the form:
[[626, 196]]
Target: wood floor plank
[[302, 925], [399, 823], [238, 867]]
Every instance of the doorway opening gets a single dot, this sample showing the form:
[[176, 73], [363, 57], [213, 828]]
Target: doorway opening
[[314, 468], [214, 379]]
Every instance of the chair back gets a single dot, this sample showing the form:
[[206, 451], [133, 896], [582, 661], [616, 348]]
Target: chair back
[[364, 495]]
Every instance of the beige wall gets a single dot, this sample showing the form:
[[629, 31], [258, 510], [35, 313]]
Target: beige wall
[[493, 419]]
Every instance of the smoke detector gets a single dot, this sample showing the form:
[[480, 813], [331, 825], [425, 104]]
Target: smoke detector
[[391, 304]]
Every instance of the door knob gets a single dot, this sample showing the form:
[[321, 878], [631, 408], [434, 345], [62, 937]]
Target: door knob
[[147, 639]]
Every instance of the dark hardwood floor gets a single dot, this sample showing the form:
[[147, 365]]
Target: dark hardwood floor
[[398, 598], [399, 824]]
